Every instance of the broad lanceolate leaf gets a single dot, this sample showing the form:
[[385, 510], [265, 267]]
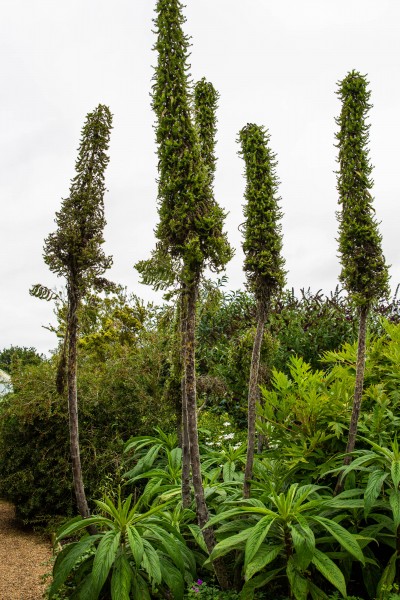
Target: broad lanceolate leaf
[[265, 555], [198, 536], [151, 562], [67, 559], [387, 578], [169, 545], [394, 500], [121, 579], [231, 543], [256, 538], [76, 525], [140, 587], [105, 556], [228, 471], [329, 570], [304, 544], [298, 583], [136, 545], [395, 472], [345, 539], [173, 578], [222, 516], [373, 489]]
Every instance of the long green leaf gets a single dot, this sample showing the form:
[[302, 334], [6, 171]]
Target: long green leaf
[[230, 543], [304, 544], [264, 556], [394, 500], [345, 539], [105, 556], [198, 536], [173, 578], [121, 579], [77, 525], [151, 562], [140, 587], [387, 578], [169, 545], [67, 559], [298, 583], [329, 570], [257, 536], [222, 516], [136, 545], [395, 472], [373, 489]]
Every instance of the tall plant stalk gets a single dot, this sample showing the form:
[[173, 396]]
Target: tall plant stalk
[[364, 272], [189, 231], [74, 252], [263, 265]]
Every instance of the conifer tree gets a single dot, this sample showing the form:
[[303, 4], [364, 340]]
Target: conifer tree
[[189, 232], [262, 247], [364, 272], [74, 252]]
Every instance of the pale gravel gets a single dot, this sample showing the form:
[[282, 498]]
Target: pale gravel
[[23, 558]]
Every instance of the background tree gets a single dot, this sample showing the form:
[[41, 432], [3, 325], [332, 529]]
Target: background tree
[[74, 252], [262, 246], [364, 272], [10, 357], [189, 231]]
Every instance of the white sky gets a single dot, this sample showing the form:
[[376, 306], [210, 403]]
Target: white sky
[[274, 63]]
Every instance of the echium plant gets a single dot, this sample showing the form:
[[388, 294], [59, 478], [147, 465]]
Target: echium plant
[[74, 251], [262, 247], [189, 232], [364, 271]]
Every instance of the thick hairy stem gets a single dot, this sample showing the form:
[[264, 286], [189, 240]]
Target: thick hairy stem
[[186, 493], [190, 384], [73, 303], [253, 397], [358, 390]]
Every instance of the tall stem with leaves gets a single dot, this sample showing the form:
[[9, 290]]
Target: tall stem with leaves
[[189, 231], [74, 252], [263, 261], [364, 272]]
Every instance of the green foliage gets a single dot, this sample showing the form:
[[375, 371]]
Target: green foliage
[[364, 272], [285, 535], [15, 356], [190, 227], [74, 250], [304, 413], [379, 468], [205, 106], [136, 552], [262, 232], [118, 397]]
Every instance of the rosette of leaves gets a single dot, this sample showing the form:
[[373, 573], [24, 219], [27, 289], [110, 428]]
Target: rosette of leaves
[[134, 554], [289, 535]]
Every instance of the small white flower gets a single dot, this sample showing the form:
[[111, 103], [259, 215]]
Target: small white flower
[[226, 424], [228, 436]]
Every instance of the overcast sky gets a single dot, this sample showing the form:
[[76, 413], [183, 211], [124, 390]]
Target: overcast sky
[[275, 63]]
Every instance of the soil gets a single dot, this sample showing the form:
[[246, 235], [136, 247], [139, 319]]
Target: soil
[[24, 559]]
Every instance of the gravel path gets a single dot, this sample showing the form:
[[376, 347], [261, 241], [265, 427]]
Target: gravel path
[[22, 555]]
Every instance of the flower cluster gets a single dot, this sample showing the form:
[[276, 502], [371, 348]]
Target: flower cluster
[[196, 586]]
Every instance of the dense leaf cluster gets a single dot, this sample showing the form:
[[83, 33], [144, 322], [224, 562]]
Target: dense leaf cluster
[[364, 272], [74, 250], [262, 231], [190, 227]]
